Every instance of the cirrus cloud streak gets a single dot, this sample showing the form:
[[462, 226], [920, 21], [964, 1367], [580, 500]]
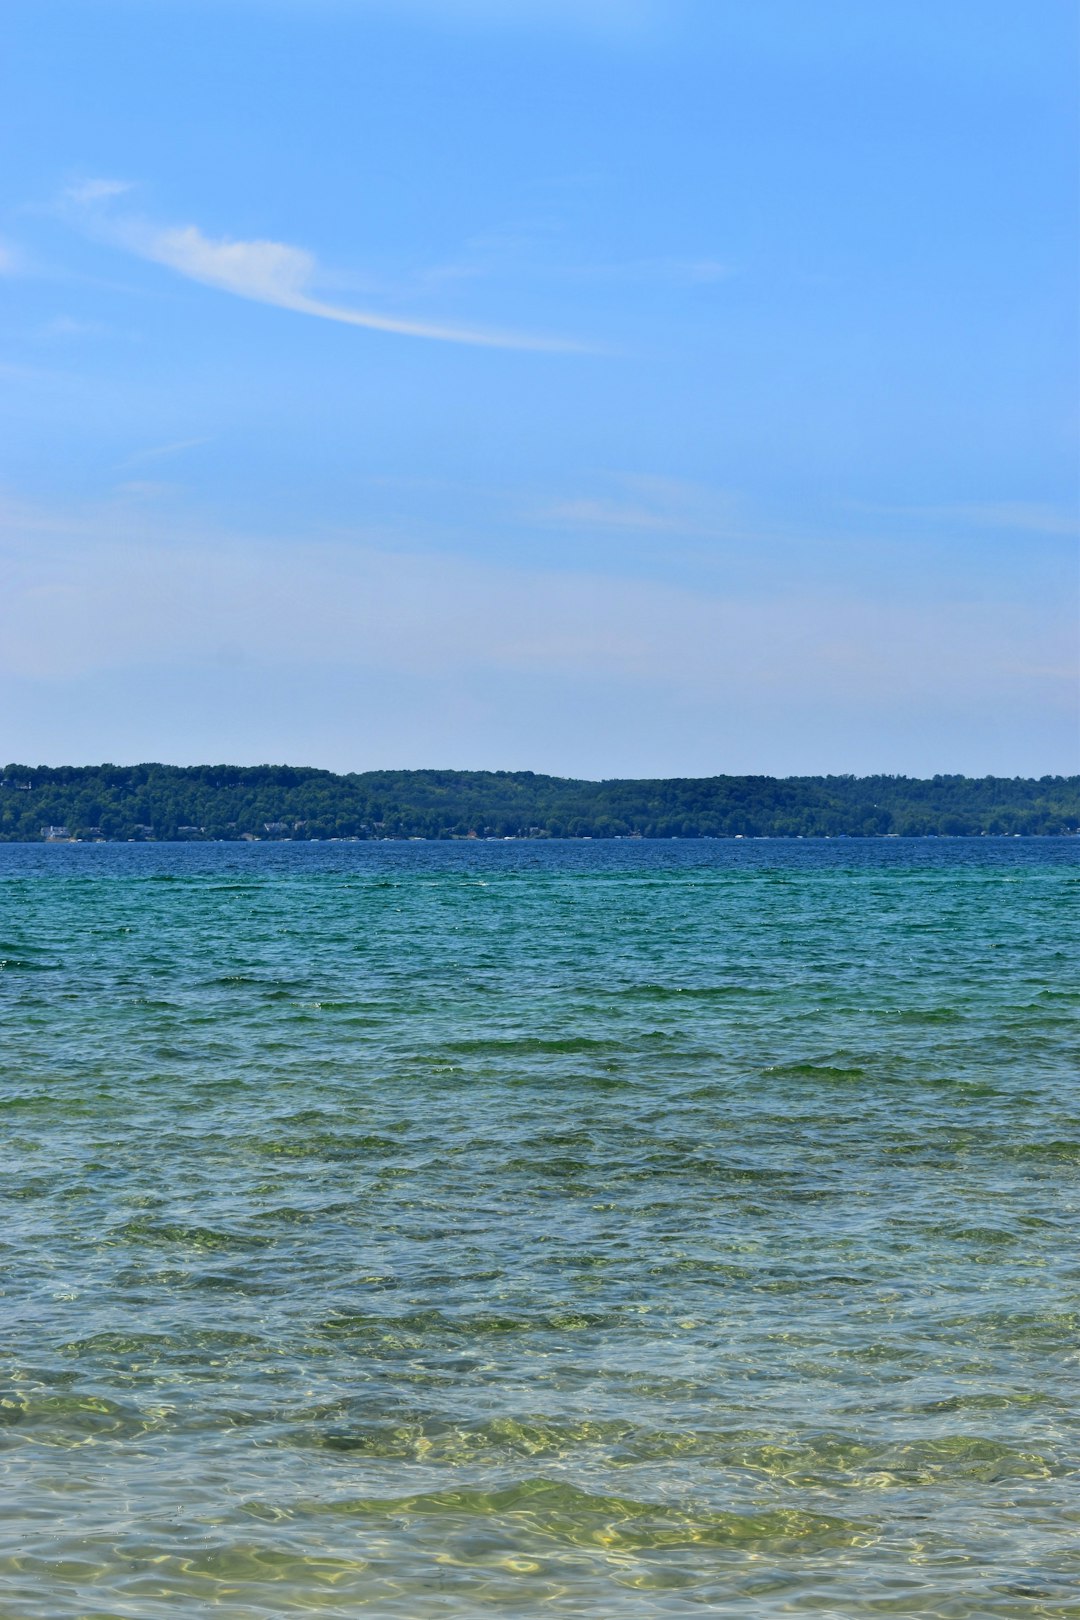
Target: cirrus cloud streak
[[269, 272]]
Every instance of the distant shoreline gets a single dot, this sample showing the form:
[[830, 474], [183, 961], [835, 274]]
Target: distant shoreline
[[156, 803], [584, 838]]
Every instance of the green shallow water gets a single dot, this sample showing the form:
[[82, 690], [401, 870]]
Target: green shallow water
[[533, 1229]]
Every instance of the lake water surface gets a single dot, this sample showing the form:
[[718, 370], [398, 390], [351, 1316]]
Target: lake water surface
[[524, 1229]]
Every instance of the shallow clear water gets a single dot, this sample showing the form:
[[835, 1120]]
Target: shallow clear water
[[594, 1229]]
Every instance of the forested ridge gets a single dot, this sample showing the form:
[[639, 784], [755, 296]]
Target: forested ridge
[[290, 802]]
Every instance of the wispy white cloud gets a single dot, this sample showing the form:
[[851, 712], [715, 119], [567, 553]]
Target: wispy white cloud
[[267, 272], [696, 271], [85, 192], [143, 489], [591, 512], [527, 248], [11, 260], [67, 326], [1036, 517], [646, 503], [159, 452], [684, 272], [613, 18], [1031, 517]]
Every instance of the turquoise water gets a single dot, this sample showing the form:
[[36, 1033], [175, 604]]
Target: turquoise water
[[535, 1229]]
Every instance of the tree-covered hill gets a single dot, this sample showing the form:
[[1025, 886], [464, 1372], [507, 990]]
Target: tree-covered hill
[[282, 801]]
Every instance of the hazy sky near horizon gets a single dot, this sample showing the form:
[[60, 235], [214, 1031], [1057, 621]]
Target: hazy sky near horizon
[[603, 387]]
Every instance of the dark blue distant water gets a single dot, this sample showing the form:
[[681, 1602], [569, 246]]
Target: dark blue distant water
[[645, 1229]]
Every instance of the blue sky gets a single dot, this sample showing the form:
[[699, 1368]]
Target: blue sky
[[604, 387]]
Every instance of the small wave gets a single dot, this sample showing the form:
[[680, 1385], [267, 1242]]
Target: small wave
[[429, 1326], [564, 1513], [327, 1145], [926, 1015], [196, 1237], [1061, 1149], [196, 1343], [72, 1419], [815, 1071], [693, 992], [528, 1046], [987, 1401]]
